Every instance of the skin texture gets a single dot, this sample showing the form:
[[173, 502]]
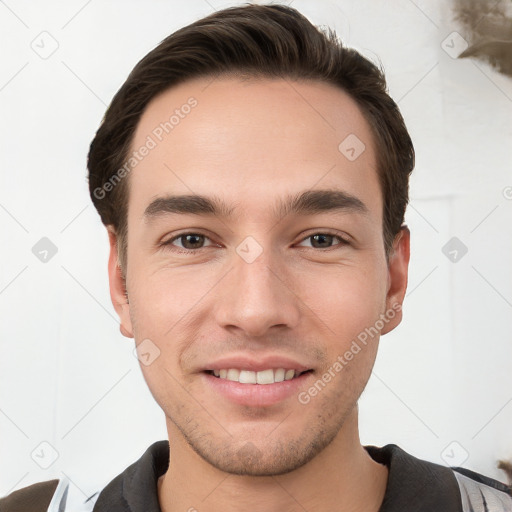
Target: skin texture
[[251, 143]]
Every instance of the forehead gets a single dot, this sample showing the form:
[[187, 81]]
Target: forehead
[[250, 142]]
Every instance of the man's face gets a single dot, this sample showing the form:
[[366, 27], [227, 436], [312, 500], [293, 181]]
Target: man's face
[[262, 288]]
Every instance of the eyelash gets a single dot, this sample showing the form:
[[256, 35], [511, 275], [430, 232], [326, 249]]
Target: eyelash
[[168, 244]]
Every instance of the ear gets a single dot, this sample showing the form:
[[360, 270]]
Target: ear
[[118, 287], [398, 267]]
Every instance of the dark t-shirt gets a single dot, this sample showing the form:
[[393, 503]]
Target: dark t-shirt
[[414, 485]]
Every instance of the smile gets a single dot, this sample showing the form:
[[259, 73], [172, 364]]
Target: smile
[[270, 376]]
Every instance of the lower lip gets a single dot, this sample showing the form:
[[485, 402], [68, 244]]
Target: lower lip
[[256, 395]]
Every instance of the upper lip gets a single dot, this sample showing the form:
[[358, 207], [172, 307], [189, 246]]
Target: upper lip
[[244, 362]]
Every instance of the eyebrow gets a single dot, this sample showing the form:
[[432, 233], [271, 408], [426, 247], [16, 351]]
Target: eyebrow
[[302, 203]]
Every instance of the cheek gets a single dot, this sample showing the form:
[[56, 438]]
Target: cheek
[[164, 311], [166, 301], [346, 300]]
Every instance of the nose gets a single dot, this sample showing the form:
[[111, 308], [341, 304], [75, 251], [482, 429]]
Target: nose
[[257, 296]]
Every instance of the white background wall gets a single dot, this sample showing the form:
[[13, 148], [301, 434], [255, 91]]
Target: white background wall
[[68, 377]]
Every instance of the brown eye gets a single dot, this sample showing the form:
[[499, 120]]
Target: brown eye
[[192, 241], [321, 241], [187, 241], [325, 240]]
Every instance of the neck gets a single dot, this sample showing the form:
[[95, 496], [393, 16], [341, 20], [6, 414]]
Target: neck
[[343, 477]]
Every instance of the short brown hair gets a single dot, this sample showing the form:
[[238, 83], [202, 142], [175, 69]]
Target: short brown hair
[[273, 41]]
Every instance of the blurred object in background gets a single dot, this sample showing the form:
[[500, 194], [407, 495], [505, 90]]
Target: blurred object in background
[[487, 27], [506, 466]]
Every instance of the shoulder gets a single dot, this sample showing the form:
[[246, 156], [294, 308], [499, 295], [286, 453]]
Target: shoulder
[[136, 485], [42, 496], [417, 484], [47, 496], [481, 493]]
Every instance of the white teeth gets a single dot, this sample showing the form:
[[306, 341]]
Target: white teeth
[[269, 376], [289, 374], [279, 375], [265, 377], [247, 377], [233, 374]]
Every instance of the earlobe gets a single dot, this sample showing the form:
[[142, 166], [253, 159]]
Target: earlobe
[[117, 285], [398, 268]]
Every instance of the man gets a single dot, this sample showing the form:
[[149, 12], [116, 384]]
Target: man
[[253, 177]]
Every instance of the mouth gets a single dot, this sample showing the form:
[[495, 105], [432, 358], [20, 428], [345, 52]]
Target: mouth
[[262, 377], [257, 388]]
